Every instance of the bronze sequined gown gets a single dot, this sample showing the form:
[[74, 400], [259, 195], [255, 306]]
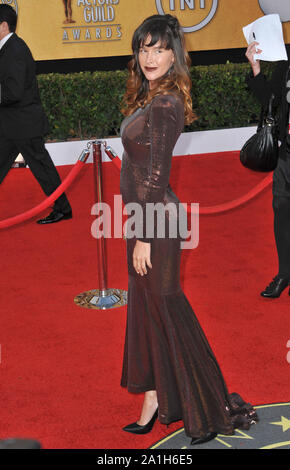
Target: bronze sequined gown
[[165, 347]]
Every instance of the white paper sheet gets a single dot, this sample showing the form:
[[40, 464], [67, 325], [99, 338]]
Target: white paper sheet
[[267, 31]]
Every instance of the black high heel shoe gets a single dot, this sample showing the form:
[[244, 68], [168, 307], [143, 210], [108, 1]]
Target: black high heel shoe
[[202, 440], [137, 429], [276, 287]]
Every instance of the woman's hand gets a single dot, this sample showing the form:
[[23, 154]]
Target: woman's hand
[[251, 51], [141, 257]]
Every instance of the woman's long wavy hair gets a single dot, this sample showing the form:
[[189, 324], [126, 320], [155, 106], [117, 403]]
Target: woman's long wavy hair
[[167, 30]]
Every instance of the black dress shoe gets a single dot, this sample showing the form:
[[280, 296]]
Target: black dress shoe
[[276, 287], [55, 216], [202, 440], [137, 429]]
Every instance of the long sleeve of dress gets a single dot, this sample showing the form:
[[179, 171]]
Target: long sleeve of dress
[[165, 116]]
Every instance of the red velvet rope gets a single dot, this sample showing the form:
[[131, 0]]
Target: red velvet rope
[[17, 219], [236, 202], [117, 162], [227, 205]]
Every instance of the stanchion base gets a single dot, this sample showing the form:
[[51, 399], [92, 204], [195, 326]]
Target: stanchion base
[[102, 300]]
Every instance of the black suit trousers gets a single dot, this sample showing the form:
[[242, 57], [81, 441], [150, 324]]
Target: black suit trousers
[[39, 161]]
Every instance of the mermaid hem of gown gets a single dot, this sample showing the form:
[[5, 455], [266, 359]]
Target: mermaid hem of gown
[[188, 380]]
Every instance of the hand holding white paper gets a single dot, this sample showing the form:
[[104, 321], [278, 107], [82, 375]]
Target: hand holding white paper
[[267, 31]]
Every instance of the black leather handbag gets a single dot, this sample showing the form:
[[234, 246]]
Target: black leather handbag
[[260, 152]]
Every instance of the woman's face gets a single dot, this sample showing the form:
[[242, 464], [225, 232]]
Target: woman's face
[[154, 61]]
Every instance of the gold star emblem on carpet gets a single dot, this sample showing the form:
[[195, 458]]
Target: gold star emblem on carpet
[[269, 433], [285, 423]]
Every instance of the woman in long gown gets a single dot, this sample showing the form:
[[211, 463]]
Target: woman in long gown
[[166, 356]]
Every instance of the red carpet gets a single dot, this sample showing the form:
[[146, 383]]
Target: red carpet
[[61, 364]]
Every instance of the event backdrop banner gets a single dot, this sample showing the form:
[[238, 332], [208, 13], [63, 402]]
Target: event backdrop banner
[[62, 29]]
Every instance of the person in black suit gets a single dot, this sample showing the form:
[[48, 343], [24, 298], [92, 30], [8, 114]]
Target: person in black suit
[[23, 122], [263, 89]]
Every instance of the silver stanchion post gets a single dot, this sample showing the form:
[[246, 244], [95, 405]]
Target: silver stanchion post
[[102, 298]]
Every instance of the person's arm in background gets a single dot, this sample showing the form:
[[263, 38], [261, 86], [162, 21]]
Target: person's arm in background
[[12, 81], [257, 81]]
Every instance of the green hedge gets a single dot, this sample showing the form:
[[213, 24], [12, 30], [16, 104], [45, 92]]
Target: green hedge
[[87, 105]]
